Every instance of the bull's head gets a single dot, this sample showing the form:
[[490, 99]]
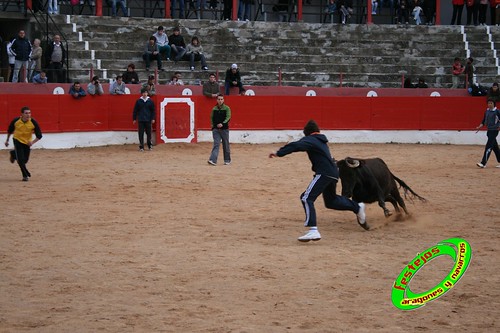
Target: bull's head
[[349, 174]]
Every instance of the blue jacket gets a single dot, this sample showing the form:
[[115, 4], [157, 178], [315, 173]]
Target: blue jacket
[[144, 110], [21, 48], [491, 119], [319, 154]]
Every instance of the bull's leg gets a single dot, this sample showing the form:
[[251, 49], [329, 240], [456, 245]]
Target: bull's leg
[[382, 205], [399, 200], [394, 203]]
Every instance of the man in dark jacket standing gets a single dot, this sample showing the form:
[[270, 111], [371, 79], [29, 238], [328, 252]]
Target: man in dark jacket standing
[[55, 58], [21, 48], [144, 114], [326, 176]]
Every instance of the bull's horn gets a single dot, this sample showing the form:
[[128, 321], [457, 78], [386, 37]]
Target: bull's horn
[[352, 163]]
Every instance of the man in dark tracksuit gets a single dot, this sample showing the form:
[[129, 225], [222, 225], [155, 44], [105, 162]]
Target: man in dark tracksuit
[[324, 182], [23, 128], [492, 121], [144, 113]]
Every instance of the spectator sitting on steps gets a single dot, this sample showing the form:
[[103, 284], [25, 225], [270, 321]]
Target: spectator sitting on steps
[[421, 83], [152, 52], [195, 53], [130, 76], [162, 41], [177, 44], [233, 79]]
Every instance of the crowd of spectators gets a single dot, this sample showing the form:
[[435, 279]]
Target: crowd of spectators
[[47, 66]]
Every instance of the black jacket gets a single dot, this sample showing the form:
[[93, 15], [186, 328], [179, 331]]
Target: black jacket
[[230, 76], [21, 48], [144, 110], [50, 49], [176, 40]]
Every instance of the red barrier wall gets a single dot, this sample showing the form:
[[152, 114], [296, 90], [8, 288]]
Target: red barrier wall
[[62, 113]]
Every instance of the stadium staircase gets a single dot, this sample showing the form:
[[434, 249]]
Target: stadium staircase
[[306, 54]]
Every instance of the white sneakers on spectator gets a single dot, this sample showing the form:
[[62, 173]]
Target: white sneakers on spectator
[[311, 235], [481, 165]]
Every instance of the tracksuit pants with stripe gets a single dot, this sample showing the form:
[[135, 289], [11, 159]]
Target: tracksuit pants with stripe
[[491, 146], [327, 186]]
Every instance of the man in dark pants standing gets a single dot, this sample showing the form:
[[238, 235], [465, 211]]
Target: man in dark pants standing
[[491, 120], [23, 128], [55, 58], [144, 114], [326, 175]]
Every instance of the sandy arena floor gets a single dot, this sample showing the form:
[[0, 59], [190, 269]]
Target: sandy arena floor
[[112, 240]]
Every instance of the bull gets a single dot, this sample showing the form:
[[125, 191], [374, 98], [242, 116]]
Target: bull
[[370, 180]]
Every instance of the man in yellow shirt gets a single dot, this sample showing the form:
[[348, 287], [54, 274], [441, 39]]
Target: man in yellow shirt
[[22, 129]]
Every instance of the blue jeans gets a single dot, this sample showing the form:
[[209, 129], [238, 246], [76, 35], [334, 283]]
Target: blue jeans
[[201, 4], [220, 135], [230, 84], [197, 57], [244, 10], [165, 49], [17, 68], [181, 8], [179, 52], [148, 57], [118, 3]]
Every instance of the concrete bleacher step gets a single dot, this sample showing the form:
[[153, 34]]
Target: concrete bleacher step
[[308, 54]]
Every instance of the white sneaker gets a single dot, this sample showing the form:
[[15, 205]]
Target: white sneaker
[[481, 165], [211, 162], [361, 216], [498, 166], [311, 235], [227, 163]]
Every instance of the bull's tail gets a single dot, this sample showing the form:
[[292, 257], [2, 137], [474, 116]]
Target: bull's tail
[[408, 189]]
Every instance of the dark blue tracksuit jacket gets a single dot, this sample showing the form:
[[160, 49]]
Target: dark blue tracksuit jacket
[[325, 177]]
